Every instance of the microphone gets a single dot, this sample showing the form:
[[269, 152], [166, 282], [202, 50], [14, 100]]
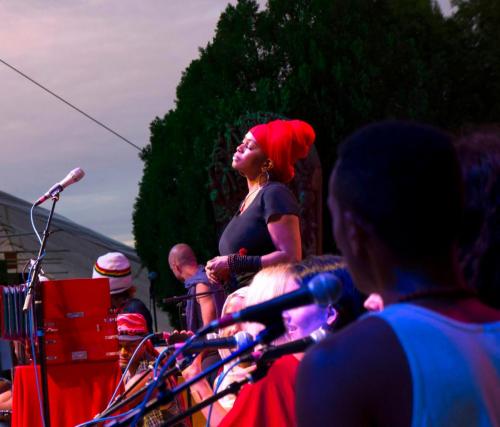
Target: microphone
[[297, 346], [239, 340], [322, 289], [74, 176]]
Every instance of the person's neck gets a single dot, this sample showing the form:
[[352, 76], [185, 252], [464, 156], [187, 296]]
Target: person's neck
[[444, 292], [118, 301], [422, 278], [189, 271], [253, 183]]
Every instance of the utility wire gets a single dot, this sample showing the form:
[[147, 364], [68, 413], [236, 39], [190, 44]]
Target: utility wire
[[71, 105]]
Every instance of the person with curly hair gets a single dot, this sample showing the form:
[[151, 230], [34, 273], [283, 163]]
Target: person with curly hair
[[479, 241]]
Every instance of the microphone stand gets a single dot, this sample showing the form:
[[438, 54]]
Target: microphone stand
[[181, 298], [34, 287], [152, 276], [122, 400], [232, 388], [271, 332], [179, 301]]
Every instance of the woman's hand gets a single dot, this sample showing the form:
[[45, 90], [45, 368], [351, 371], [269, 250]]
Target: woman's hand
[[217, 269]]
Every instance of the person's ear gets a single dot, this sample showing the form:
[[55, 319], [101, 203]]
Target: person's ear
[[355, 232], [267, 166], [374, 302], [331, 315]]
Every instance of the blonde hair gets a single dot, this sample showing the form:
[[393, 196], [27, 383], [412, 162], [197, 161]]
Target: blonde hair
[[230, 330], [238, 293], [267, 284]]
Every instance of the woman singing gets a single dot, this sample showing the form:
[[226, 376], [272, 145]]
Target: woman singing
[[265, 231]]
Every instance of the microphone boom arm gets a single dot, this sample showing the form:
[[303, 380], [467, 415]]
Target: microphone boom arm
[[233, 388], [166, 396], [181, 298]]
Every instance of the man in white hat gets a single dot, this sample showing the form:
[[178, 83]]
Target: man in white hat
[[115, 267]]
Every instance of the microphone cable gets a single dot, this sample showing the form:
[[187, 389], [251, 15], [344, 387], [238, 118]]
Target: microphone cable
[[114, 417], [156, 378], [33, 224], [100, 420], [127, 368], [216, 388]]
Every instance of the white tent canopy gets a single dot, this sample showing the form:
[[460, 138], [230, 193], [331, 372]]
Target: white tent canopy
[[71, 249]]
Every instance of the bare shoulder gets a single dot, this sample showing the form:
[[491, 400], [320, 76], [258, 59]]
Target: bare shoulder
[[355, 377], [201, 288]]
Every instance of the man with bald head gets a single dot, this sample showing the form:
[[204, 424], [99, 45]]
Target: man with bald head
[[204, 308]]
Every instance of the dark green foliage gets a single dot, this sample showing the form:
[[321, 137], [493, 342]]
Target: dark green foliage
[[338, 64], [475, 62]]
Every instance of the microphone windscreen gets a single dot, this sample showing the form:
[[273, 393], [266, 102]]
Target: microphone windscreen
[[325, 288]]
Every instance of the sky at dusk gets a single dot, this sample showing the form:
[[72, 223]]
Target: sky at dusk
[[118, 60]]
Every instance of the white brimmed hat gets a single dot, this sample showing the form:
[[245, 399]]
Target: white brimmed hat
[[116, 267]]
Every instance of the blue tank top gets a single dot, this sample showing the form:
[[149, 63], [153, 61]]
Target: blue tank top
[[455, 367]]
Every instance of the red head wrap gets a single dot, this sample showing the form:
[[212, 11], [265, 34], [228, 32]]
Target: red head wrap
[[131, 326], [284, 142]]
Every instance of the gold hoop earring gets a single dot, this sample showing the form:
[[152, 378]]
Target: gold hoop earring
[[265, 174]]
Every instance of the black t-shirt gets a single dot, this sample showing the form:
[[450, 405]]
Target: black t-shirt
[[248, 230]]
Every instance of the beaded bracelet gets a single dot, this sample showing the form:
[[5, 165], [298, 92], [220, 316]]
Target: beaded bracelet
[[243, 263]]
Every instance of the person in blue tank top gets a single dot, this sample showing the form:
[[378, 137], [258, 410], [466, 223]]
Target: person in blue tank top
[[431, 357]]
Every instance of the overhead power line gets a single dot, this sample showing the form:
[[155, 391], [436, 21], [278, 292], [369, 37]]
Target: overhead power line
[[71, 105]]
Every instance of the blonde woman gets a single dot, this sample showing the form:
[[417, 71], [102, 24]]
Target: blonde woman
[[270, 401], [267, 284]]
